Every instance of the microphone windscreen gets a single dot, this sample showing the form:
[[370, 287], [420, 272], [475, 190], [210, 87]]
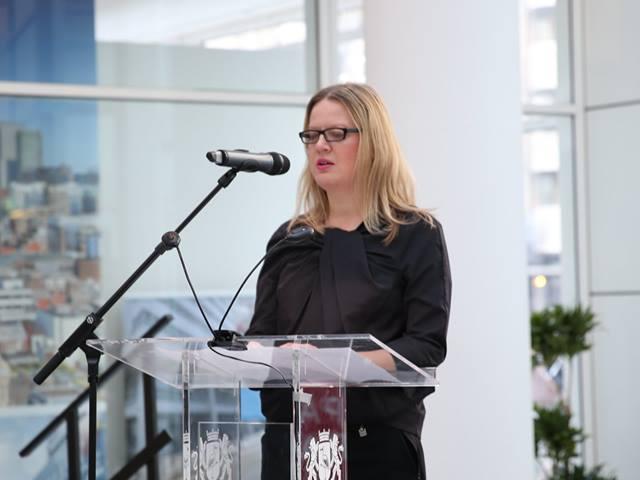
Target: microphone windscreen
[[281, 164]]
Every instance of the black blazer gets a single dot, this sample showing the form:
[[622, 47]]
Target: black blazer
[[350, 282]]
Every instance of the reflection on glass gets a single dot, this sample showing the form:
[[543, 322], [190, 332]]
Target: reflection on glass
[[250, 45], [49, 267], [47, 41], [545, 52], [280, 35], [49, 240], [206, 404], [547, 160], [54, 157], [545, 289], [350, 40]]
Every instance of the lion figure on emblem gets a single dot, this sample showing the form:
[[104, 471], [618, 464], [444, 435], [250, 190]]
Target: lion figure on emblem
[[324, 458]]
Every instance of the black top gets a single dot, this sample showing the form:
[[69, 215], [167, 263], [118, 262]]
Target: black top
[[350, 282]]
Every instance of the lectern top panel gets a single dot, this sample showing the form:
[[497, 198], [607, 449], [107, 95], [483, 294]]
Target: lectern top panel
[[266, 362]]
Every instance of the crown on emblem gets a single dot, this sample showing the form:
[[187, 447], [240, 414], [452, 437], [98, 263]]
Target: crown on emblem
[[212, 435], [324, 435]]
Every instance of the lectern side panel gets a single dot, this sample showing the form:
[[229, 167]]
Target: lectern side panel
[[241, 451], [323, 433]]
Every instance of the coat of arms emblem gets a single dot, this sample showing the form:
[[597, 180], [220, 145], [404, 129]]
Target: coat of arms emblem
[[323, 458], [216, 456]]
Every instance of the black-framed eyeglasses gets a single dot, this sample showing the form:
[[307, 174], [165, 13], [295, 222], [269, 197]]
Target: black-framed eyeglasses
[[330, 134]]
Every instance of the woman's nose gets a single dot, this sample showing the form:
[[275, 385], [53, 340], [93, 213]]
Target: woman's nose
[[322, 143]]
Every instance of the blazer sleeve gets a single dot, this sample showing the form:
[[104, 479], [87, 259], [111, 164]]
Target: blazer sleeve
[[427, 297]]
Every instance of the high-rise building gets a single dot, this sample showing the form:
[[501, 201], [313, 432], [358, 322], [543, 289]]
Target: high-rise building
[[29, 152], [8, 153]]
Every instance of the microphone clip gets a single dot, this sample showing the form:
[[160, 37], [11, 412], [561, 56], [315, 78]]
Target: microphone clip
[[227, 339]]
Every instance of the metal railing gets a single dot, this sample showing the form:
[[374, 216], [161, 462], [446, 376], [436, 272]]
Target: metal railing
[[69, 416]]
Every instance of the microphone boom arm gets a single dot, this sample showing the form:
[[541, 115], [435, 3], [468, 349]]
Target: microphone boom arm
[[85, 330]]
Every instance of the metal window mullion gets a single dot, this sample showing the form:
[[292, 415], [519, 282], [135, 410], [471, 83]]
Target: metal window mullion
[[585, 362], [91, 92], [312, 45], [327, 41], [569, 109], [576, 110]]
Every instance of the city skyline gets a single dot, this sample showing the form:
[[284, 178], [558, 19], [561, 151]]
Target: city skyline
[[49, 265]]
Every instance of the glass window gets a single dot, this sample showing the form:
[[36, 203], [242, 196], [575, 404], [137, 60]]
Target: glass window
[[58, 159], [219, 404], [545, 56], [548, 159], [49, 266], [250, 45]]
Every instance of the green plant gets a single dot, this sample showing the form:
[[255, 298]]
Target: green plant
[[578, 472], [552, 428], [560, 333]]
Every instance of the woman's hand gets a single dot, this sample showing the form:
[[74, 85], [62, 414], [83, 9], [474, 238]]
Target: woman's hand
[[381, 358], [251, 344], [299, 346]]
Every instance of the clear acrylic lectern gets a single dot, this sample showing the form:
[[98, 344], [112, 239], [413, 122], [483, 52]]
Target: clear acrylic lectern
[[317, 369]]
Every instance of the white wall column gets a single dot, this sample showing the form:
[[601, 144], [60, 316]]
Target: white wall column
[[612, 103], [449, 72]]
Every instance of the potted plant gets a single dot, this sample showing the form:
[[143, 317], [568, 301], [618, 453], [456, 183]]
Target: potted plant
[[558, 334]]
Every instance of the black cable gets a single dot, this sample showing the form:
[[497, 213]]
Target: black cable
[[299, 233], [254, 363], [239, 289], [195, 296]]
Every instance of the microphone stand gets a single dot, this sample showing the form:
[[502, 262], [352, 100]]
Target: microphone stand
[[85, 331]]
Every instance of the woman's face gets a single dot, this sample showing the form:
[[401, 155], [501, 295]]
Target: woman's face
[[332, 164]]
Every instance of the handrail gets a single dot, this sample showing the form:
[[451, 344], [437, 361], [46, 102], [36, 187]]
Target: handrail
[[143, 457], [70, 415]]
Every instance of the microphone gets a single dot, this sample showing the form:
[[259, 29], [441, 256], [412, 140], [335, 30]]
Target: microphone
[[228, 338], [298, 233], [271, 163]]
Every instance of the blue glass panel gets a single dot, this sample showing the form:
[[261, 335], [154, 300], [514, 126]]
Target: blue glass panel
[[47, 41], [250, 45]]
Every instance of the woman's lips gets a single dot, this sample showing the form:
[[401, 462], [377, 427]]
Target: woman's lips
[[323, 164]]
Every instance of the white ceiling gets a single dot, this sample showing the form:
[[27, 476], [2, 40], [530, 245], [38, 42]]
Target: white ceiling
[[187, 22]]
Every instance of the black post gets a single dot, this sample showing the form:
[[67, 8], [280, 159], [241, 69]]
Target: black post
[[93, 361], [150, 422], [73, 444]]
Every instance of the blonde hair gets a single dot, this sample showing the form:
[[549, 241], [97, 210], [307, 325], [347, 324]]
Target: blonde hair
[[383, 181]]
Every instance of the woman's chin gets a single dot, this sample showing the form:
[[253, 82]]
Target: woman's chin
[[330, 183]]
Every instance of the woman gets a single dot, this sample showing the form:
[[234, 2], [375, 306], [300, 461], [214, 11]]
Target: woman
[[376, 264]]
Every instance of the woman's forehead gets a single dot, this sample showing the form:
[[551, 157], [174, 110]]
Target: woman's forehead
[[327, 110]]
